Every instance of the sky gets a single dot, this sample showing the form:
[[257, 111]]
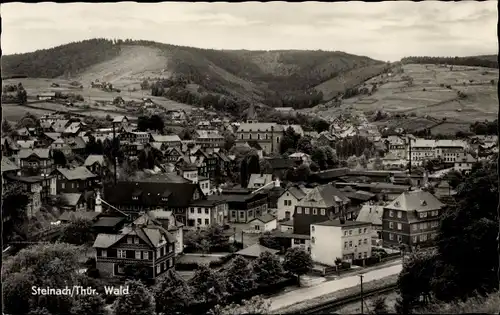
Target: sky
[[386, 31]]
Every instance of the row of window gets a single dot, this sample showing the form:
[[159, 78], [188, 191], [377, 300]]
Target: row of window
[[360, 242], [425, 225], [207, 210], [314, 211], [399, 225], [416, 238], [421, 215], [360, 231], [287, 202], [360, 256]]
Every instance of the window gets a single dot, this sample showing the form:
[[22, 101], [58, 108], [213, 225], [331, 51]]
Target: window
[[104, 253], [391, 225], [350, 243], [121, 253], [242, 214], [158, 270], [415, 239], [137, 254], [130, 240], [359, 242], [315, 211], [207, 222], [345, 233], [199, 221], [199, 210], [120, 269], [345, 244], [400, 238], [364, 230], [415, 227], [365, 255], [365, 241], [158, 253], [192, 210], [207, 211], [145, 254], [312, 228], [423, 237], [306, 210], [391, 213], [360, 231], [233, 214], [323, 212], [170, 262], [423, 215], [400, 226], [299, 210], [257, 227], [400, 214], [312, 240], [63, 185], [391, 236], [350, 232]]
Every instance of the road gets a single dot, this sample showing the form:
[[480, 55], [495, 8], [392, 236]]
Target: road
[[292, 297]]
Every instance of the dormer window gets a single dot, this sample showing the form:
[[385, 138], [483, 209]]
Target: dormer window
[[423, 203], [397, 204]]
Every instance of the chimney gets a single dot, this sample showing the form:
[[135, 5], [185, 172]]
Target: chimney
[[342, 220]]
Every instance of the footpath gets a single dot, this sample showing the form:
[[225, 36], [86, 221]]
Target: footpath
[[347, 281]]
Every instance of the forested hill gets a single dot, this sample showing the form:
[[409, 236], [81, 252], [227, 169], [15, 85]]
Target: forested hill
[[62, 60], [276, 78], [487, 61]]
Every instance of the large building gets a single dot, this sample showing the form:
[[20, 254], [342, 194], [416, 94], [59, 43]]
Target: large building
[[267, 135], [411, 219], [347, 240]]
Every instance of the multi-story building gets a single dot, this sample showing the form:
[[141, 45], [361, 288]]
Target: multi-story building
[[243, 204], [411, 219], [34, 187], [174, 227], [144, 242], [320, 204], [288, 200], [139, 137], [167, 141], [75, 180], [267, 135], [347, 240], [35, 162], [450, 151], [209, 139], [203, 213], [464, 163], [397, 146], [173, 155], [422, 150]]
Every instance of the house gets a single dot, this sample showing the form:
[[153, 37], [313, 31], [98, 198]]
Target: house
[[347, 240], [34, 187], [326, 139], [264, 223], [314, 135], [372, 212], [8, 168], [422, 150], [174, 227], [61, 145], [397, 147], [35, 162], [72, 130], [133, 137], [392, 160], [280, 165], [172, 155], [203, 213], [143, 242], [268, 135], [143, 195], [300, 158], [204, 183], [46, 96], [443, 189], [449, 151], [120, 121], [47, 138], [259, 180], [411, 219], [243, 204], [464, 163], [109, 223], [289, 239], [288, 200], [169, 141], [254, 251], [9, 147], [327, 176], [60, 125], [320, 204], [71, 216], [73, 201], [77, 145], [286, 226], [95, 163], [209, 139], [75, 180]]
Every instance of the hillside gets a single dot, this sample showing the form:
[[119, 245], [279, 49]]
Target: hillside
[[275, 78], [417, 96]]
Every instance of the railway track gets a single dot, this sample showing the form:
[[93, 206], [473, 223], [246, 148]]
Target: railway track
[[328, 306]]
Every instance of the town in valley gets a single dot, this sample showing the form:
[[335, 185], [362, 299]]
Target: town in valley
[[164, 179]]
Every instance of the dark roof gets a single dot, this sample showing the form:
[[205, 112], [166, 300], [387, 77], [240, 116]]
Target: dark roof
[[265, 218], [324, 196], [8, 165], [70, 215], [152, 193], [287, 223], [26, 179], [330, 174], [417, 200], [358, 195], [280, 163], [205, 203], [340, 224], [108, 221], [290, 235], [80, 172], [255, 251]]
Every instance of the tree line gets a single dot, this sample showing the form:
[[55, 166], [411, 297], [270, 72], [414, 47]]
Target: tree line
[[456, 61]]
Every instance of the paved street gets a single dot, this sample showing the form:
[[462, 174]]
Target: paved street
[[303, 294]]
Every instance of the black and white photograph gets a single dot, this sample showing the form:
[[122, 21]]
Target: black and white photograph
[[220, 158]]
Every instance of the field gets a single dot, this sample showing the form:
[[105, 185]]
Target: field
[[428, 95]]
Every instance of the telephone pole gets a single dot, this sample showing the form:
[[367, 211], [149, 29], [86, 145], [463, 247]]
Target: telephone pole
[[362, 300]]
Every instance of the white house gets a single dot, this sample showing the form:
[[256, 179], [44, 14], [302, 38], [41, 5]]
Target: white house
[[288, 200], [204, 183], [299, 156], [203, 213], [259, 180], [264, 223], [464, 163], [286, 226], [346, 240]]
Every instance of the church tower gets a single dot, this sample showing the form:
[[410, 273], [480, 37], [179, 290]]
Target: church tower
[[251, 116]]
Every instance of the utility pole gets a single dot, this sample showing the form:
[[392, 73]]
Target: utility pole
[[409, 151], [362, 300]]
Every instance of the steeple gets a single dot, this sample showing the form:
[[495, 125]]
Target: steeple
[[251, 117]]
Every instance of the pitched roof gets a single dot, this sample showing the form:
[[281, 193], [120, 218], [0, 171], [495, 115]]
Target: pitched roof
[[255, 251], [118, 119], [337, 223], [53, 135], [73, 127], [80, 172], [297, 192], [259, 179], [60, 125], [265, 218], [41, 153], [324, 196], [91, 159], [287, 223], [165, 138], [106, 240], [259, 127], [8, 165], [371, 213], [70, 199], [75, 142], [26, 144], [151, 193], [108, 221], [417, 200], [331, 173], [70, 215]]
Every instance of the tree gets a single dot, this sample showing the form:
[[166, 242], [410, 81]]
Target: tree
[[6, 127], [362, 161], [145, 85], [253, 165], [14, 202], [239, 276], [88, 304], [352, 161], [204, 246], [22, 95], [319, 157], [59, 158], [302, 173], [379, 306], [256, 305], [454, 178], [304, 145], [216, 236], [269, 241], [268, 269], [289, 140], [229, 141], [208, 285], [77, 232], [298, 262], [172, 294], [377, 164], [244, 176], [139, 301]]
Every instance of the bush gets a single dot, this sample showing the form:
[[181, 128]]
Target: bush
[[190, 266], [221, 261]]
